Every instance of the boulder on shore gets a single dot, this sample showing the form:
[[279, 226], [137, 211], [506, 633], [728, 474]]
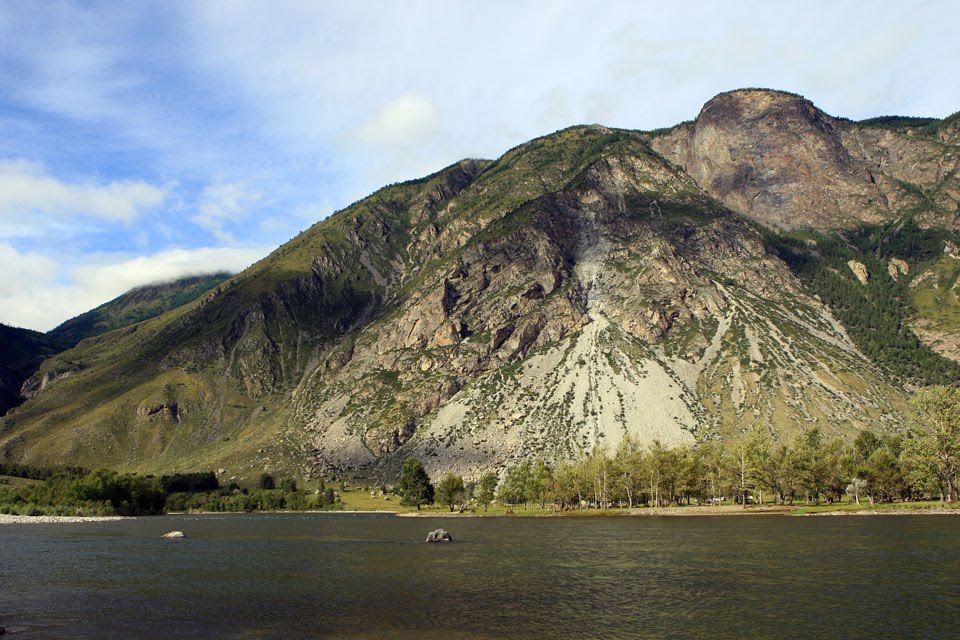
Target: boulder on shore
[[173, 534], [439, 535]]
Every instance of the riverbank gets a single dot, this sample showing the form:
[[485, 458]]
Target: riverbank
[[929, 508], [10, 519], [902, 511], [896, 509], [607, 513]]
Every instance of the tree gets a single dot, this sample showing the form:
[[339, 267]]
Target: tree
[[656, 466], [883, 476], [566, 481], [415, 488], [866, 443], [516, 484], [856, 488], [598, 471], [760, 454], [742, 470], [627, 463], [266, 482], [934, 443], [810, 464], [714, 460], [450, 490], [692, 472], [539, 482], [838, 461], [486, 489]]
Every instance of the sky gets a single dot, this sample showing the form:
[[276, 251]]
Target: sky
[[145, 141]]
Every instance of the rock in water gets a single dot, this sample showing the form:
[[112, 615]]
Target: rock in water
[[173, 534], [439, 535]]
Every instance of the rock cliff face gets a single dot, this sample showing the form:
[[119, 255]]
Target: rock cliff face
[[587, 285], [777, 158]]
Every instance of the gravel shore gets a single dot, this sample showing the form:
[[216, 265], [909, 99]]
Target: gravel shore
[[8, 519]]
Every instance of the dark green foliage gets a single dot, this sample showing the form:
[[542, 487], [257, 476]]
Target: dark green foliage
[[875, 315], [266, 481], [414, 486], [127, 494], [898, 122], [236, 500], [100, 492], [926, 127], [34, 472], [190, 482]]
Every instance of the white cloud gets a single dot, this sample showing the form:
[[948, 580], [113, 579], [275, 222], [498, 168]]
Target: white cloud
[[27, 191], [407, 119], [223, 204], [40, 294], [21, 270]]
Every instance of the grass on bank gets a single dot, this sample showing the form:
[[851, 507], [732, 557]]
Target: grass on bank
[[359, 499], [883, 507]]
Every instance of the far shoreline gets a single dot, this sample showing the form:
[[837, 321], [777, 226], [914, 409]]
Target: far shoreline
[[646, 512], [698, 511], [13, 519]]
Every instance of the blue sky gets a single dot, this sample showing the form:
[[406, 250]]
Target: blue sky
[[144, 141]]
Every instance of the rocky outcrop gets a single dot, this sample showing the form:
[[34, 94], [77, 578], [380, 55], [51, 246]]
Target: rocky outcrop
[[859, 271], [37, 383], [777, 158], [898, 268], [166, 412]]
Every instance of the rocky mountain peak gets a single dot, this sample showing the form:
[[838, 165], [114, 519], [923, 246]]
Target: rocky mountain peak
[[734, 108], [775, 157]]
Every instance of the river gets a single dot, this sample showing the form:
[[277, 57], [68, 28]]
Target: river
[[372, 576]]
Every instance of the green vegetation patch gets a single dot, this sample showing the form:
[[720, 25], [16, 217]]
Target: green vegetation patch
[[876, 315]]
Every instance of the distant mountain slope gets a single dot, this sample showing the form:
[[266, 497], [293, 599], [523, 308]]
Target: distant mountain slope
[[21, 352], [132, 307]]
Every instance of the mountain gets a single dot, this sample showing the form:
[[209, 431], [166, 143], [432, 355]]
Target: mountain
[[679, 285], [21, 352], [132, 307]]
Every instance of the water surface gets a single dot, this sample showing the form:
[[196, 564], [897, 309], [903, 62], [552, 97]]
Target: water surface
[[371, 576]]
